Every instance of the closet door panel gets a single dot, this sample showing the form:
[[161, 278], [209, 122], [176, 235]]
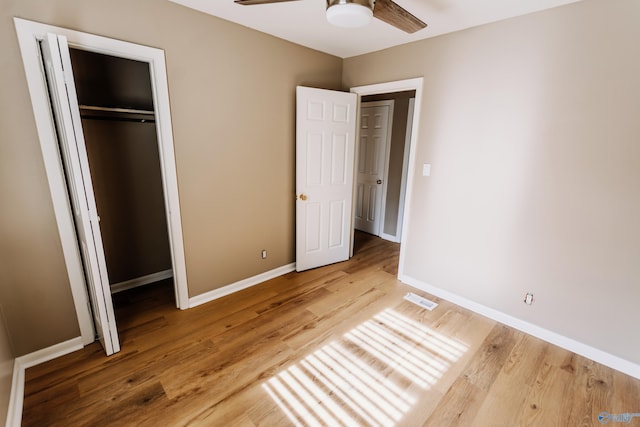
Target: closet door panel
[[66, 114]]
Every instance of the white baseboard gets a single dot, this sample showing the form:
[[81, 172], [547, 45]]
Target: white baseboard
[[141, 281], [572, 345], [389, 237], [238, 286], [14, 414]]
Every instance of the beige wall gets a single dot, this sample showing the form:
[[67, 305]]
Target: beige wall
[[532, 128], [396, 160], [6, 368], [232, 93]]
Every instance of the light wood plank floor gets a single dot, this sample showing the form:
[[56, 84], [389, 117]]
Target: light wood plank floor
[[332, 346]]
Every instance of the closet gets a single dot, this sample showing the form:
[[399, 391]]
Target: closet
[[124, 200], [115, 98]]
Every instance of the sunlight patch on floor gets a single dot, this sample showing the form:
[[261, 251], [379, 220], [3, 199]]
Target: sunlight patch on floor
[[365, 378]]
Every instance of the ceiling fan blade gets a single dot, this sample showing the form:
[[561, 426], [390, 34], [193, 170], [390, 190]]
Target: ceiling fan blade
[[393, 14], [252, 2]]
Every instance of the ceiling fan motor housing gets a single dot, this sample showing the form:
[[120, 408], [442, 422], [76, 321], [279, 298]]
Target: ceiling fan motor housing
[[366, 3], [349, 13]]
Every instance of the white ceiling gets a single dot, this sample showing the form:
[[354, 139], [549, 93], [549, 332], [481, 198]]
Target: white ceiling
[[303, 22]]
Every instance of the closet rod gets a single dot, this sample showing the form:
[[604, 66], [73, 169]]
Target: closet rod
[[118, 119], [116, 110]]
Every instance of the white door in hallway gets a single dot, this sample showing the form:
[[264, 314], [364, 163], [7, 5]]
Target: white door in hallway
[[325, 149], [373, 149]]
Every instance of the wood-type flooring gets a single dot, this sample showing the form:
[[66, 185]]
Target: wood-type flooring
[[333, 346]]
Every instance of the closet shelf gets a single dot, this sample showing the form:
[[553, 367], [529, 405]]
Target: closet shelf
[[117, 114], [116, 110]]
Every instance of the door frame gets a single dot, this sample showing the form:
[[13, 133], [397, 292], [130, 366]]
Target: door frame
[[390, 87], [29, 34]]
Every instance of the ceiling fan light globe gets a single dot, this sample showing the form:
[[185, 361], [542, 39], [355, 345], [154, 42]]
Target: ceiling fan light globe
[[349, 15]]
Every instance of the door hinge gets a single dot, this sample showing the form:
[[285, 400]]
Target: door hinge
[[68, 77], [94, 217]]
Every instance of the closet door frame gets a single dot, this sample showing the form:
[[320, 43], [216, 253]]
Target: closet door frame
[[29, 35]]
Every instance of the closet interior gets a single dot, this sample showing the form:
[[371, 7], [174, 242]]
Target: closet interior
[[117, 110]]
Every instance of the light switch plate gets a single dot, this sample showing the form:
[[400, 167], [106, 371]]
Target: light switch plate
[[426, 169]]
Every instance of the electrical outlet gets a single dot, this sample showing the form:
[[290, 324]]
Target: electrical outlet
[[528, 298], [264, 254]]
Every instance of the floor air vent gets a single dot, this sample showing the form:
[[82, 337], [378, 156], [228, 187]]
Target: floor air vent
[[422, 302]]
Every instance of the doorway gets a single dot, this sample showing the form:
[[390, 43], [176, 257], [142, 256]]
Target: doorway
[[383, 200], [30, 36], [396, 216], [118, 121], [117, 114]]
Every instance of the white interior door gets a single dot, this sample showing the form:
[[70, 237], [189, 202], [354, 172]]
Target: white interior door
[[325, 148], [375, 131], [66, 114]]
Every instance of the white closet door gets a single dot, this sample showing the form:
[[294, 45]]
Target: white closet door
[[64, 101], [325, 146]]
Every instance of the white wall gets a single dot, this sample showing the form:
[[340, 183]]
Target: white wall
[[532, 127]]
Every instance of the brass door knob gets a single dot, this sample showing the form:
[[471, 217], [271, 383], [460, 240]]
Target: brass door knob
[[379, 181], [302, 197]]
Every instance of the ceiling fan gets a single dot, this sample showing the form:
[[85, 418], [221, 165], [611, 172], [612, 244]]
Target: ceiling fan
[[355, 13]]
